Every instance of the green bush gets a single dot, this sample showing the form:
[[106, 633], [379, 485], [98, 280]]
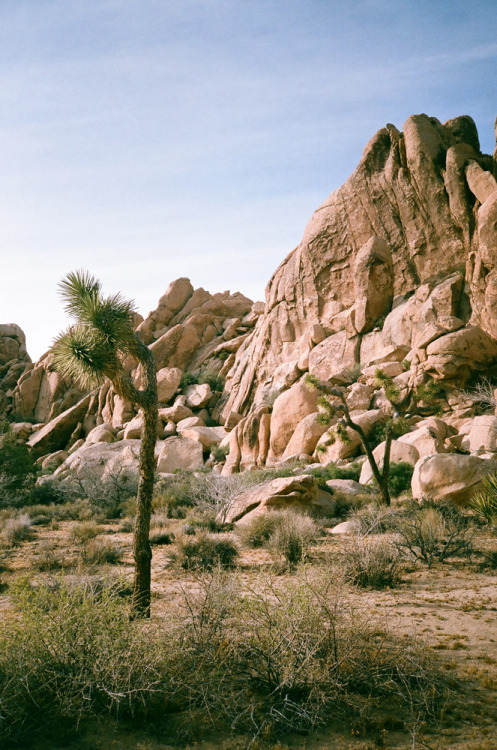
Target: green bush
[[399, 478], [18, 470], [484, 504], [83, 532], [89, 662], [331, 471], [205, 552]]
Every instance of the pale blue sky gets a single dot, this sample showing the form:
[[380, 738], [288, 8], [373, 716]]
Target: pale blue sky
[[150, 139]]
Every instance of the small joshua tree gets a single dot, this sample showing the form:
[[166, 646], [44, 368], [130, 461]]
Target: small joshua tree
[[394, 426], [94, 349]]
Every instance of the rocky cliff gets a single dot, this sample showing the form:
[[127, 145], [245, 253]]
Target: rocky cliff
[[398, 269]]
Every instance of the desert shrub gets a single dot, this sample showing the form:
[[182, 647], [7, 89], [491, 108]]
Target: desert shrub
[[17, 469], [83, 532], [373, 519], [48, 557], [188, 378], [331, 471], [107, 495], [160, 537], [208, 519], [293, 536], [212, 378], [89, 662], [205, 552], [484, 503], [50, 492], [399, 478], [291, 656], [258, 531], [372, 564], [16, 530], [101, 552], [432, 533], [219, 453]]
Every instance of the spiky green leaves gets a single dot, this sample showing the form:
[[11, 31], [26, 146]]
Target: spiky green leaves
[[82, 355], [90, 350]]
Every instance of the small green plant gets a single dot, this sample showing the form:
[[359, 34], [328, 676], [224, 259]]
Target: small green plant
[[159, 537], [205, 552], [18, 470], [331, 471], [188, 378], [400, 477], [219, 453], [484, 504]]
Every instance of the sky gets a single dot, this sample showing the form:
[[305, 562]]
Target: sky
[[144, 140]]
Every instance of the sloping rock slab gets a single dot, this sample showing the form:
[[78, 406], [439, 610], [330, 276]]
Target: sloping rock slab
[[55, 435], [298, 493]]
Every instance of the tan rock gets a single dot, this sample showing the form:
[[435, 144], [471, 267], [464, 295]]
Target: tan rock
[[373, 283], [399, 452], [103, 433], [481, 436], [481, 183], [133, 429], [359, 397], [450, 477], [168, 380], [198, 396], [175, 413], [334, 358], [339, 449], [289, 409], [55, 435], [346, 487], [299, 493], [207, 436], [189, 422], [180, 453], [456, 355], [305, 437], [426, 441]]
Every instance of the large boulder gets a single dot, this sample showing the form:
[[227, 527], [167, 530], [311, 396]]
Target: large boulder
[[426, 441], [168, 380], [305, 437], [248, 442], [335, 358], [373, 283], [55, 435], [455, 355], [450, 477], [289, 409], [179, 453], [481, 435], [299, 493], [340, 449], [101, 460]]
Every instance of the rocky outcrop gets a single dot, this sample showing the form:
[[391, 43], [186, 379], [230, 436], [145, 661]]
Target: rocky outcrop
[[410, 214], [450, 477]]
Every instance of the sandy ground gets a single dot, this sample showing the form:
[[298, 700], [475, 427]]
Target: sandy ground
[[452, 608]]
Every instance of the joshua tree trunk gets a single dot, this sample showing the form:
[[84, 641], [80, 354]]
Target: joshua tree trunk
[[146, 398]]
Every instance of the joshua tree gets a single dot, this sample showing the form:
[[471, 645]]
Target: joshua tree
[[93, 349], [333, 403]]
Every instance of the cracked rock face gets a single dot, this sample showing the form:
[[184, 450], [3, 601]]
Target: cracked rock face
[[409, 213]]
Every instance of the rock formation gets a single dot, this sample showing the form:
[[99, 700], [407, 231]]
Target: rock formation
[[397, 269]]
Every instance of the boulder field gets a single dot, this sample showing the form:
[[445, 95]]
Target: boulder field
[[396, 270]]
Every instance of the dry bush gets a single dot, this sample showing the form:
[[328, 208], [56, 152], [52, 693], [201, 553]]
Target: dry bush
[[204, 552], [102, 551], [292, 536], [48, 557], [257, 531], [372, 564], [373, 519], [84, 532], [89, 662], [434, 533], [286, 657], [16, 530]]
